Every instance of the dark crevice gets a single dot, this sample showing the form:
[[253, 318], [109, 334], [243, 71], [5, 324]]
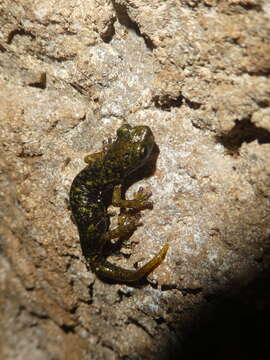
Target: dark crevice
[[20, 32], [263, 103], [68, 328], [160, 320], [41, 84], [91, 292], [168, 287], [125, 20], [30, 288], [124, 293], [73, 309], [80, 89], [2, 48], [166, 102], [262, 72], [107, 346], [192, 104], [248, 5], [136, 322], [39, 315], [53, 126], [71, 256], [187, 291], [25, 154], [87, 302], [108, 35], [184, 291], [243, 131], [59, 59]]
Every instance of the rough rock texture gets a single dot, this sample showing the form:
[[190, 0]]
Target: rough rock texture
[[197, 73]]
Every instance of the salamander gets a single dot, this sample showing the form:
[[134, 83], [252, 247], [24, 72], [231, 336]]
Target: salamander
[[105, 174]]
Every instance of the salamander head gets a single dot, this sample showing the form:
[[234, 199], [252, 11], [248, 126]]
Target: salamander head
[[131, 149]]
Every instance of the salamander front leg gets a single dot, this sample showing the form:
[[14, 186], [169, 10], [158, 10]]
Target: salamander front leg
[[88, 159], [139, 202]]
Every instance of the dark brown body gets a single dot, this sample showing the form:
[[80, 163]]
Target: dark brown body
[[97, 186]]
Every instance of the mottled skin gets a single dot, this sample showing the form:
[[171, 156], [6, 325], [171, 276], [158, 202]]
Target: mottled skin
[[106, 173]]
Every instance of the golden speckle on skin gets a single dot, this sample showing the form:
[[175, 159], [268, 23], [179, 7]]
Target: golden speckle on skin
[[91, 227]]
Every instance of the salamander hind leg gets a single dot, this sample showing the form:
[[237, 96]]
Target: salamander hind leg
[[127, 224]]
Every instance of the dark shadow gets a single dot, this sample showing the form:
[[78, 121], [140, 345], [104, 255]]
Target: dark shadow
[[243, 131], [125, 20], [233, 324], [145, 171], [108, 35], [41, 83], [20, 32], [167, 102], [248, 5], [2, 48]]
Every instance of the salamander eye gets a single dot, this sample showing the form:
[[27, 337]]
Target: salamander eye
[[123, 130], [144, 152]]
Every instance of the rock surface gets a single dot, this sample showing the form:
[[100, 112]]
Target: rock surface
[[197, 73]]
